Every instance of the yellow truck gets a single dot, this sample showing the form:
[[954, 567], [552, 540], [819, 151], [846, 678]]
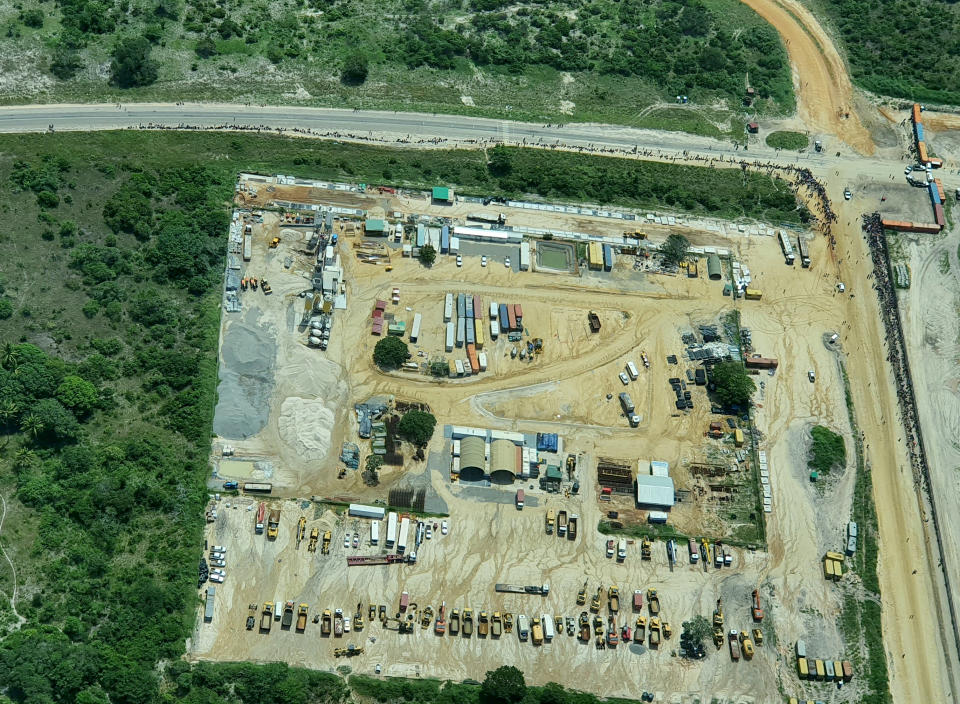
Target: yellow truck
[[753, 294], [550, 521], [536, 631], [803, 670], [273, 524]]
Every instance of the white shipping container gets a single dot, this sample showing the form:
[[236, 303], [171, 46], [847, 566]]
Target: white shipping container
[[456, 448], [454, 245], [448, 308], [403, 535], [524, 256], [362, 511], [494, 329], [482, 360], [459, 365], [548, 632], [415, 332], [449, 341], [456, 465], [494, 310], [391, 529], [375, 532]]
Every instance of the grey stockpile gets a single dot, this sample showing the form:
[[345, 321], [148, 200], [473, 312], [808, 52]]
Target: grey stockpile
[[247, 368]]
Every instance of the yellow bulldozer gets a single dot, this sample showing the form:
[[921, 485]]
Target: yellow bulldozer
[[348, 652], [274, 243]]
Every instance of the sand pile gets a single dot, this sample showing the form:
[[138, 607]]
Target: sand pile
[[306, 425]]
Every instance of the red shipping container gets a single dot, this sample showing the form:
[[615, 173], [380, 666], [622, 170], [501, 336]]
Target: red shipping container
[[518, 311], [477, 307]]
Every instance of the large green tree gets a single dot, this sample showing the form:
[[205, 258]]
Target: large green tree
[[428, 255], [734, 387], [417, 427], [390, 352], [674, 250], [132, 65], [505, 685]]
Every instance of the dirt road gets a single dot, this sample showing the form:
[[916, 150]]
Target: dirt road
[[825, 99]]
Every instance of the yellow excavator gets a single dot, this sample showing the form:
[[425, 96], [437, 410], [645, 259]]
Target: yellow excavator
[[349, 651], [301, 530], [314, 536]]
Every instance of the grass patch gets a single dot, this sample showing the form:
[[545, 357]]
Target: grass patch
[[827, 450], [785, 139]]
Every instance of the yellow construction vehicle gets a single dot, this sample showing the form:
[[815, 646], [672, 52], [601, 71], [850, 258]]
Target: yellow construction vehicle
[[273, 524], [645, 549], [314, 536], [325, 548], [706, 551], [718, 637], [274, 242], [401, 626], [718, 614], [598, 625], [746, 645], [613, 595], [595, 602], [758, 636], [582, 595], [426, 618], [301, 530], [358, 618], [349, 651], [667, 630], [636, 234]]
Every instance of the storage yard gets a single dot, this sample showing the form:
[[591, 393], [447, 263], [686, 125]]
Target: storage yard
[[594, 327]]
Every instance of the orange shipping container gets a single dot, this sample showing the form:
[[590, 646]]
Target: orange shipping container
[[939, 189], [474, 362], [922, 152], [916, 113]]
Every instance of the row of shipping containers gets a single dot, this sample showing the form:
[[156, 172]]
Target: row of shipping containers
[[918, 133]]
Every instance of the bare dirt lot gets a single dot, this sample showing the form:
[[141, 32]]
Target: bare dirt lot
[[563, 390]]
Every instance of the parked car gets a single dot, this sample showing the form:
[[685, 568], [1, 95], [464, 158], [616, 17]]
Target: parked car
[[610, 548], [429, 532], [624, 378], [218, 548], [346, 624], [847, 194], [346, 540], [444, 527], [483, 260], [811, 375], [506, 262], [356, 540], [459, 260], [218, 563], [218, 578]]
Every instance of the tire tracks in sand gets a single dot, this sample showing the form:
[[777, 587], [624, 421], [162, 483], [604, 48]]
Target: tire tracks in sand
[[820, 78]]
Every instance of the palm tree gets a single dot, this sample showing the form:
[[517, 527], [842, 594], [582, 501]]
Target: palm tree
[[8, 411], [24, 458], [10, 357], [32, 425]]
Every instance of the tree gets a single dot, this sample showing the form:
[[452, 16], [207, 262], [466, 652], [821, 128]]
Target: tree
[[6, 307], [428, 255], [356, 67], [65, 60], [695, 631], [505, 685], [31, 425], [500, 164], [10, 356], [132, 65], [390, 353], [77, 394], [674, 250], [32, 18], [372, 465], [417, 427], [205, 48], [733, 386]]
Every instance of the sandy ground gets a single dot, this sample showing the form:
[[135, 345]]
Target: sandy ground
[[824, 94], [564, 390]]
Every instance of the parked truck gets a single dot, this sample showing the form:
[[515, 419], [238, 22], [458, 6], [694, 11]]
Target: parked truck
[[287, 619], [548, 629], [637, 600], [550, 521], [733, 640], [326, 623], [653, 602], [302, 617], [562, 523], [537, 630], [622, 550], [654, 633], [273, 525], [572, 527], [266, 617], [613, 594], [261, 514], [523, 627], [520, 499]]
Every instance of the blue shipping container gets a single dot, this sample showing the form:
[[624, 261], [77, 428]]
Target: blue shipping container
[[471, 332], [445, 240], [469, 306], [461, 305], [919, 131], [421, 235], [504, 319], [607, 257], [547, 442], [460, 331], [934, 194]]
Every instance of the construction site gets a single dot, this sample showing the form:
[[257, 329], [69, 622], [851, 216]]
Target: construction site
[[592, 412]]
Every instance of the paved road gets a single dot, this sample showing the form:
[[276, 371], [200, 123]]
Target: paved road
[[407, 127]]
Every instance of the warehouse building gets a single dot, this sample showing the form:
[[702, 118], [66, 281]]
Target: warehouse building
[[503, 462], [442, 196], [473, 463], [713, 267], [655, 492]]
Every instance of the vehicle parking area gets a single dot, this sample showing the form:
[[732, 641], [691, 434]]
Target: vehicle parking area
[[291, 410]]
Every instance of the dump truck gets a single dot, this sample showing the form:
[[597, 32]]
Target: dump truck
[[314, 536], [266, 617], [287, 619], [483, 624], [582, 595], [273, 524], [746, 644], [326, 622], [584, 623], [497, 625], [645, 546], [653, 601], [637, 600], [261, 512], [734, 642], [640, 629], [758, 636], [562, 523], [467, 623], [613, 594], [654, 633], [757, 611], [338, 622], [572, 527], [537, 630], [325, 548], [455, 622], [302, 617], [593, 320], [549, 521]]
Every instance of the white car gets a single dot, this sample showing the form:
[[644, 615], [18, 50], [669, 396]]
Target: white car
[[483, 260], [218, 578], [444, 527], [216, 555], [811, 375], [346, 540], [429, 532], [506, 262], [218, 563], [459, 260], [847, 194], [624, 378], [908, 170], [841, 288], [346, 624], [222, 573], [218, 548]]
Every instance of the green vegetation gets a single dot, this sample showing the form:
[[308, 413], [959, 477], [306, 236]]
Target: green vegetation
[[428, 255], [417, 427], [695, 631], [505, 685], [860, 619], [883, 39], [674, 249], [622, 62], [788, 140], [827, 450], [390, 352], [734, 386]]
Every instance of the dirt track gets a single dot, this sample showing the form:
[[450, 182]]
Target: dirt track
[[823, 88]]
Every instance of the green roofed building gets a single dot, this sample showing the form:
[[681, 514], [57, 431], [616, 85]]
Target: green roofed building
[[442, 195], [375, 227]]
